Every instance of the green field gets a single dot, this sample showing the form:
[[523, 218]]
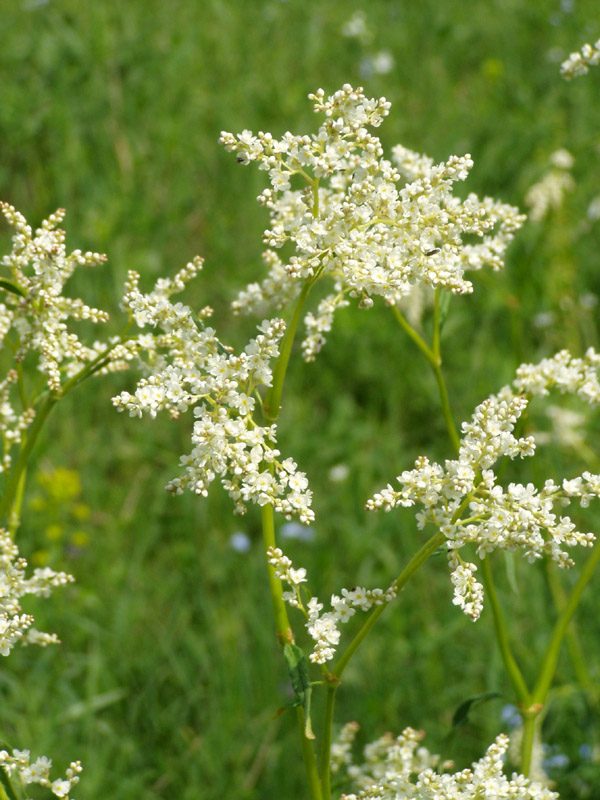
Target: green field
[[168, 677]]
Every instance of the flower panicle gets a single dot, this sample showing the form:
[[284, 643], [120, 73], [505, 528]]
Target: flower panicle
[[402, 767], [579, 62], [185, 365], [464, 499], [374, 227], [323, 627]]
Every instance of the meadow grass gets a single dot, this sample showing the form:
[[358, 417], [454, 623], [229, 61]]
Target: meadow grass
[[168, 677]]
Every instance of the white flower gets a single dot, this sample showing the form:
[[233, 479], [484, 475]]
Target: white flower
[[323, 628], [186, 366], [401, 767], [464, 500], [39, 771], [38, 267], [372, 228], [578, 63], [15, 626]]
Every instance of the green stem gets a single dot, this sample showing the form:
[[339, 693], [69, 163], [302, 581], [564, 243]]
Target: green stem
[[572, 639], [528, 740], [417, 339], [550, 659], [282, 624], [14, 480], [446, 410], [511, 666], [273, 397], [14, 516], [334, 678], [420, 557], [284, 635], [434, 360], [540, 691]]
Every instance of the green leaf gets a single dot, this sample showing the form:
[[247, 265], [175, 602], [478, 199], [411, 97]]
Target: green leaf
[[462, 712], [298, 670], [11, 287]]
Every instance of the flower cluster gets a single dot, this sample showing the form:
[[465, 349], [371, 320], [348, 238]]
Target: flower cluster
[[402, 768], [34, 306], [548, 193], [374, 228], [323, 628], [579, 63], [464, 500], [14, 625], [563, 372], [18, 765], [185, 365]]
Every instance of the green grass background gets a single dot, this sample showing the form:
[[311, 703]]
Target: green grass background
[[168, 677]]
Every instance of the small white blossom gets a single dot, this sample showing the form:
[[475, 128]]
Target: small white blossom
[[401, 767], [18, 765], [578, 63], [548, 193], [14, 625], [323, 628], [38, 268]]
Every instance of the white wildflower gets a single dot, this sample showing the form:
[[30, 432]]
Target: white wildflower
[[186, 366], [402, 768], [464, 500], [34, 305], [14, 625], [18, 765], [548, 193], [578, 63], [373, 228], [323, 628]]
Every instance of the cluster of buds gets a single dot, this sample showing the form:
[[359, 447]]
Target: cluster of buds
[[14, 625]]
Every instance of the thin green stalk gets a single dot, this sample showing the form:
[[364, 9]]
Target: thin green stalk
[[573, 643], [273, 397], [417, 339], [335, 676], [14, 517], [282, 624], [14, 480], [546, 674], [530, 721], [420, 557], [434, 360], [436, 326], [550, 659], [284, 632], [446, 410], [511, 666], [285, 635]]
